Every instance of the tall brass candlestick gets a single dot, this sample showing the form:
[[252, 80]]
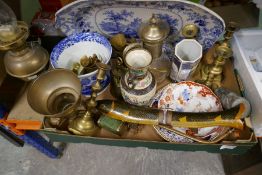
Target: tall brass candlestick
[[85, 125], [211, 75], [222, 52]]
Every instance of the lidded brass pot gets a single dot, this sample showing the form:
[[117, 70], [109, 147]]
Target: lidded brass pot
[[21, 61], [153, 33]]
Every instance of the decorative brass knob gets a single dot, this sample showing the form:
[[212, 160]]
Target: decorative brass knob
[[190, 31]]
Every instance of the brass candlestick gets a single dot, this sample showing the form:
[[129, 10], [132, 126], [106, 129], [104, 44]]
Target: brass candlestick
[[85, 125], [214, 76], [211, 75]]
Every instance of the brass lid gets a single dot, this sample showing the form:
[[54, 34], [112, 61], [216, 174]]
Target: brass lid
[[155, 30]]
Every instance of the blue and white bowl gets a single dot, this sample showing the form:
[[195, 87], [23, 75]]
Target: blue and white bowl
[[75, 46]]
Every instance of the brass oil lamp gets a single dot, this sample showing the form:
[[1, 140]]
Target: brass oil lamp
[[153, 33], [21, 61]]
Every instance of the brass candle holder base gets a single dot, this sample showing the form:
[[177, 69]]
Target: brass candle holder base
[[83, 125]]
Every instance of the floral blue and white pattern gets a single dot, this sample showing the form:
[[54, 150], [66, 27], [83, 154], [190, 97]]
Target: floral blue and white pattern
[[76, 38], [73, 47], [88, 82], [112, 17], [171, 136]]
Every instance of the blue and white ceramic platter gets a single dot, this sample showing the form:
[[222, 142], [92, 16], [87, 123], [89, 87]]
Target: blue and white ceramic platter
[[75, 46], [112, 17]]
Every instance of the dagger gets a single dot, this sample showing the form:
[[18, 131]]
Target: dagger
[[152, 116]]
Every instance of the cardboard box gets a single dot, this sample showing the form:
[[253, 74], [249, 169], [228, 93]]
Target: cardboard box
[[147, 137]]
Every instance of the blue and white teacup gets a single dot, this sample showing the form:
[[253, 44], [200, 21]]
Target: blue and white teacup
[[71, 49], [188, 54]]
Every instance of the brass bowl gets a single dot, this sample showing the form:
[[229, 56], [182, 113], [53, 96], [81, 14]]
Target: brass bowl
[[55, 93]]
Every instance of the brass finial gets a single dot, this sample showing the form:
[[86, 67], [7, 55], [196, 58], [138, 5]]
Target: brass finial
[[153, 19], [118, 41]]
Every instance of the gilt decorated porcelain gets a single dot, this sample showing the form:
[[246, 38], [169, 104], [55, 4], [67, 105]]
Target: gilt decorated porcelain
[[187, 96], [71, 49], [113, 17], [138, 85]]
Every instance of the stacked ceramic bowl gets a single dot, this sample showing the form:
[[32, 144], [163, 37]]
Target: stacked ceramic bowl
[[188, 96], [71, 49]]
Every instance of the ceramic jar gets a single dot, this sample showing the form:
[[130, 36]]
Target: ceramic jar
[[138, 85]]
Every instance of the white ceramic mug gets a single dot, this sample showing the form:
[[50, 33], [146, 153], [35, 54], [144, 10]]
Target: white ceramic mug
[[188, 54]]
